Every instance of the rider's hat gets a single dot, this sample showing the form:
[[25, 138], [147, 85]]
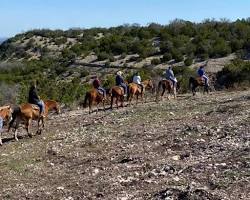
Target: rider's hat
[[119, 73]]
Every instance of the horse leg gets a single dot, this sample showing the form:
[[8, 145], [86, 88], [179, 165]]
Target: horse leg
[[97, 108], [112, 100], [193, 90], [122, 101], [28, 122], [131, 99], [103, 105], [137, 97], [174, 92], [39, 130], [15, 129], [116, 101], [90, 105], [163, 91], [1, 138]]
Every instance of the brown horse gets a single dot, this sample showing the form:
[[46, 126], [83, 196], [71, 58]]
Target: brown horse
[[165, 85], [5, 115], [135, 89], [93, 96], [116, 92], [195, 82], [28, 112]]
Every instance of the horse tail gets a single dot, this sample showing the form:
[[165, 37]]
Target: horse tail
[[14, 115], [86, 99]]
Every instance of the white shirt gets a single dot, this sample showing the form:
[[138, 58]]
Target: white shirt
[[137, 79]]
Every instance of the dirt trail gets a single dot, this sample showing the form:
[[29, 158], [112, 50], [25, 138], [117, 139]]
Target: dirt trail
[[191, 148]]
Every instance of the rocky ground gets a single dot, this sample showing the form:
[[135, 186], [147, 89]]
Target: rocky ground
[[193, 148]]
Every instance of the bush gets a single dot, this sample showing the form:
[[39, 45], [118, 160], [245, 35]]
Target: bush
[[177, 55], [103, 56], [188, 61], [155, 61], [167, 57], [237, 72]]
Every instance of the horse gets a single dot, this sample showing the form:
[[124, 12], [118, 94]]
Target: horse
[[165, 84], [27, 112], [195, 82], [116, 92], [93, 96], [5, 116], [135, 89]]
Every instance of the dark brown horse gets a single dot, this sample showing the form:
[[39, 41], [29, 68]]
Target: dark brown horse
[[117, 93], [28, 112], [135, 90], [94, 97], [165, 85], [195, 82], [5, 114]]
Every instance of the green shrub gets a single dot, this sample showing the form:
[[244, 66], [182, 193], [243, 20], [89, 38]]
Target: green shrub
[[237, 72], [155, 61], [188, 61], [167, 57], [177, 55]]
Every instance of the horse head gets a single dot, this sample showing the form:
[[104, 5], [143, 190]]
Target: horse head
[[53, 105], [6, 113]]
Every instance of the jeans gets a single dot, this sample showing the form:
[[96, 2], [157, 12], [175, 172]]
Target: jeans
[[124, 87], [41, 106], [206, 79], [102, 90], [174, 81], [1, 124]]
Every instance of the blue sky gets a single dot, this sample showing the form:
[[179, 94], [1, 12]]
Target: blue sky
[[17, 16]]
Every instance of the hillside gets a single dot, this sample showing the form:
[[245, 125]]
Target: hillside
[[2, 39], [63, 62], [189, 148]]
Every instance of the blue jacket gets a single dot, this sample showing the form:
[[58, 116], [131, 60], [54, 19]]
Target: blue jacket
[[201, 72], [170, 74], [119, 80]]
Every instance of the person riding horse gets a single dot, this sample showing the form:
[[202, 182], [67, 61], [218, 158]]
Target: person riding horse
[[137, 80], [170, 76], [97, 86], [35, 99], [202, 75], [120, 82]]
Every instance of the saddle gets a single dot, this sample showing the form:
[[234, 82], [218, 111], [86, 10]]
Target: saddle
[[139, 88], [35, 107]]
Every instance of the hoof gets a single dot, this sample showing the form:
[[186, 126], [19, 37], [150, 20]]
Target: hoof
[[16, 138], [30, 135]]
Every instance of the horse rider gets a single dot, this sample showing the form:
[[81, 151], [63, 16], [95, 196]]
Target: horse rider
[[35, 99], [97, 85], [202, 75], [170, 76], [120, 82], [137, 80]]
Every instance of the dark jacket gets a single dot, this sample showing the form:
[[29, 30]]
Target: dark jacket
[[201, 72], [119, 80], [33, 97]]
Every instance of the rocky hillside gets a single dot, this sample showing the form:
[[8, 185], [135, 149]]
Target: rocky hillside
[[189, 148]]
